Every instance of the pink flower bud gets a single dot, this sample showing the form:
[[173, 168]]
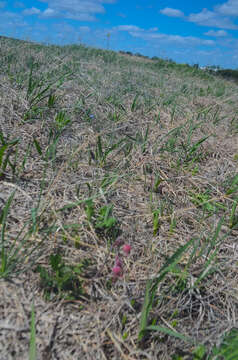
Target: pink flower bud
[[127, 249], [118, 242], [118, 262], [117, 271]]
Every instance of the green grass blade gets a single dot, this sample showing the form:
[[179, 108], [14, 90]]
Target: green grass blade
[[197, 144], [214, 239], [145, 309], [228, 349], [233, 186], [171, 262], [233, 219], [4, 216], [213, 245], [134, 103], [99, 147], [2, 151], [37, 146], [152, 285], [170, 332]]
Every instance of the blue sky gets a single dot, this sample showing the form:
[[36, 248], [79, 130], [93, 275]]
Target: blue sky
[[204, 32]]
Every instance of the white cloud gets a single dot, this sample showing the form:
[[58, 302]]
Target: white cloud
[[229, 8], [49, 13], [80, 17], [32, 11], [220, 17], [172, 12], [2, 4], [58, 13], [218, 33], [211, 18], [126, 28], [83, 10], [153, 35]]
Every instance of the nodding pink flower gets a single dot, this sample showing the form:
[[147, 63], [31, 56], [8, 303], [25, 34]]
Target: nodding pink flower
[[126, 249], [118, 242], [117, 271], [118, 262]]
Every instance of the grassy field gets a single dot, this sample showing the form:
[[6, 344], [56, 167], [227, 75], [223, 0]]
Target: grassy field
[[99, 151]]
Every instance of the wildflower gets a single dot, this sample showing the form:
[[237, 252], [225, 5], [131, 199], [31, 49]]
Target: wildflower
[[118, 262], [118, 242], [117, 271], [126, 249]]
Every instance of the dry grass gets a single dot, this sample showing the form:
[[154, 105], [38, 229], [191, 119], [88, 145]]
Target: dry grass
[[176, 106]]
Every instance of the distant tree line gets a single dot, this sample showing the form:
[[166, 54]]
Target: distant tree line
[[131, 54], [229, 74]]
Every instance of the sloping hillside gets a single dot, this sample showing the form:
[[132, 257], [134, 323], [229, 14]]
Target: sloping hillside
[[98, 151]]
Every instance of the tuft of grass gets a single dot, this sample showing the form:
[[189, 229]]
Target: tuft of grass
[[62, 280], [151, 288], [171, 267], [7, 149]]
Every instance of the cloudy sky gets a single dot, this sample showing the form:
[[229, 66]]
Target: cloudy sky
[[204, 31]]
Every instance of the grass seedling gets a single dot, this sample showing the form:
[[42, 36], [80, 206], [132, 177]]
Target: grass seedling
[[233, 221], [228, 349], [157, 119], [157, 183], [204, 201], [39, 89], [232, 185], [171, 143], [102, 151], [172, 225], [50, 151], [26, 156], [4, 253], [150, 292], [186, 149], [211, 251], [62, 280], [102, 219], [6, 150], [52, 100], [135, 105], [105, 220], [172, 114], [190, 150], [61, 121], [141, 139], [16, 255], [156, 223], [114, 116]]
